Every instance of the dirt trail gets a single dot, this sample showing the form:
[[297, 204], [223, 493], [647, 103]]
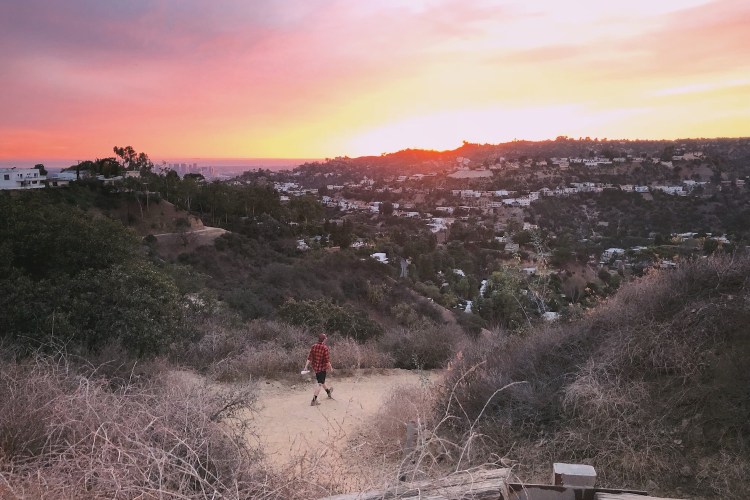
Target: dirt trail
[[289, 427]]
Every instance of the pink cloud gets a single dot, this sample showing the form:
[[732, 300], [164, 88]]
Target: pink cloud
[[708, 38], [187, 68]]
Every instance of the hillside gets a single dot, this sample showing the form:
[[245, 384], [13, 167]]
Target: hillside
[[648, 383], [652, 387]]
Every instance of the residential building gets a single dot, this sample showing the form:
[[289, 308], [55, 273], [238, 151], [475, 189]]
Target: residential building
[[21, 178]]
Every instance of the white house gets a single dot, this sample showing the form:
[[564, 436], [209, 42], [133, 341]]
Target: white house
[[438, 224], [673, 190], [501, 192], [302, 245], [61, 179], [21, 178], [612, 252], [380, 257]]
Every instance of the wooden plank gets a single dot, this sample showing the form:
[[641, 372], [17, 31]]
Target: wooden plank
[[480, 484], [628, 496]]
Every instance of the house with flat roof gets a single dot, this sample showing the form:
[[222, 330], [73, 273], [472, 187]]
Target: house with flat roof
[[21, 178]]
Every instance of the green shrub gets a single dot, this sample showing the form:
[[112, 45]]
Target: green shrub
[[249, 304], [137, 305], [424, 346], [44, 239], [324, 315], [69, 277]]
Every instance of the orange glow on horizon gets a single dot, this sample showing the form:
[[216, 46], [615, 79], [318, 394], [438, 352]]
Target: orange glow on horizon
[[297, 80]]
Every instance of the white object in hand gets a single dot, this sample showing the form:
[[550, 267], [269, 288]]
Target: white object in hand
[[304, 372]]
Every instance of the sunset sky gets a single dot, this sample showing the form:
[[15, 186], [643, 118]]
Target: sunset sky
[[322, 78]]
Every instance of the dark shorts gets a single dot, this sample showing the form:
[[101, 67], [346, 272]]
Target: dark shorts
[[320, 377]]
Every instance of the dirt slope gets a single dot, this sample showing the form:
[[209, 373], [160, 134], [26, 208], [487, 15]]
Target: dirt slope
[[289, 427]]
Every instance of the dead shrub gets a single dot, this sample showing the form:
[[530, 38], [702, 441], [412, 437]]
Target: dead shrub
[[284, 334], [218, 341], [643, 387], [349, 355], [172, 438], [270, 349], [404, 404], [416, 429], [27, 394], [603, 397], [724, 475], [269, 360]]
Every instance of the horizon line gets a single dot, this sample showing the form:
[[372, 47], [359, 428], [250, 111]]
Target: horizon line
[[170, 158]]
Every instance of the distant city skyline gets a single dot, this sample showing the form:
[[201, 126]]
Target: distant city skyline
[[326, 78], [220, 162]]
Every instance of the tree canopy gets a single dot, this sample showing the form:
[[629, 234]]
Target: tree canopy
[[68, 277]]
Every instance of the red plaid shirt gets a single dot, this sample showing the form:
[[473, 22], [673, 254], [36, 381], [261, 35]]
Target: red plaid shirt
[[318, 357]]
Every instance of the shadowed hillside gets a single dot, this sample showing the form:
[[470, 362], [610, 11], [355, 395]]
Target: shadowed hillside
[[652, 388]]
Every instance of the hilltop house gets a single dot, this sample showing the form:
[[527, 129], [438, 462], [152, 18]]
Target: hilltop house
[[21, 178], [610, 253], [61, 179]]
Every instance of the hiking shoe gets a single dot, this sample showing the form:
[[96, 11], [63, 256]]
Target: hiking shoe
[[314, 402], [330, 391]]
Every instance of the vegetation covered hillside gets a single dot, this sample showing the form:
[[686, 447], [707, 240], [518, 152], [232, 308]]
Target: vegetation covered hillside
[[71, 277], [652, 388], [99, 330]]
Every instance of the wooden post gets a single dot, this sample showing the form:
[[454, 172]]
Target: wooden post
[[411, 438]]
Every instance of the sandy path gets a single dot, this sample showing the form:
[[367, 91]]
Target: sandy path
[[288, 427]]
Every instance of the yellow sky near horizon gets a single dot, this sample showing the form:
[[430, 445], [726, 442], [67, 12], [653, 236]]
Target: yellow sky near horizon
[[322, 78]]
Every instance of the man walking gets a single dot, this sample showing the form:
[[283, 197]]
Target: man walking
[[320, 361]]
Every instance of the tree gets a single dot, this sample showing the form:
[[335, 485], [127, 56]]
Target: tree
[[134, 303], [522, 238], [667, 153], [133, 160], [305, 209], [341, 236], [504, 302], [386, 208], [133, 187], [187, 190], [108, 167], [710, 246], [45, 239], [40, 167], [80, 280]]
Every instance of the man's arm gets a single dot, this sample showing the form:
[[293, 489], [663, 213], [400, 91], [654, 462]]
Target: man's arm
[[329, 368], [307, 361]]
